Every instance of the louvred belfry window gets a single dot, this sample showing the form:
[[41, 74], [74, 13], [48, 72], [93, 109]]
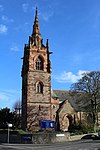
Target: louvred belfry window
[[39, 64]]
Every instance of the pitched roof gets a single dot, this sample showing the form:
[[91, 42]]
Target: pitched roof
[[64, 95], [53, 94]]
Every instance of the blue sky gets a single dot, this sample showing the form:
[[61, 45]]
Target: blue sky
[[73, 30]]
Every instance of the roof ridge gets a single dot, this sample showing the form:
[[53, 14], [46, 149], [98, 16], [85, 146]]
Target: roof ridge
[[62, 90]]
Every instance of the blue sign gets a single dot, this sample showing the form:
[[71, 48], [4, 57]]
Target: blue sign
[[47, 124]]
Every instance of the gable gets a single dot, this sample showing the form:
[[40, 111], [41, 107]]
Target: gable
[[64, 95], [66, 108]]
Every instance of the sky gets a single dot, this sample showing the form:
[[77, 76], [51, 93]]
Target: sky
[[73, 30]]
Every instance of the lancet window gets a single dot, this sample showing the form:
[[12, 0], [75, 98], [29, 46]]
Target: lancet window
[[39, 87]]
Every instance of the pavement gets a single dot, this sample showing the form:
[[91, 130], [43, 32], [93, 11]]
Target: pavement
[[78, 137], [71, 139]]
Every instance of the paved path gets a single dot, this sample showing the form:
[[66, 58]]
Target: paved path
[[74, 145], [78, 137]]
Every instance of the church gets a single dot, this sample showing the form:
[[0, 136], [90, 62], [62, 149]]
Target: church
[[39, 101]]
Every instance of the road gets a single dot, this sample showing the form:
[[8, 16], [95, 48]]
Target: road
[[76, 145]]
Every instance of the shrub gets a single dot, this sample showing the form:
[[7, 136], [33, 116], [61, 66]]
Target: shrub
[[81, 128]]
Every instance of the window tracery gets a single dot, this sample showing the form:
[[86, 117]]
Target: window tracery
[[39, 63]]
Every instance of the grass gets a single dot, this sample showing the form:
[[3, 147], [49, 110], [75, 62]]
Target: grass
[[5, 131]]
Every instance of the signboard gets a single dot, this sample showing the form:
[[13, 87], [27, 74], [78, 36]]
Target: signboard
[[48, 124]]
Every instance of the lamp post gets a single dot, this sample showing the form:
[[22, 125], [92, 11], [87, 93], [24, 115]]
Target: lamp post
[[9, 126]]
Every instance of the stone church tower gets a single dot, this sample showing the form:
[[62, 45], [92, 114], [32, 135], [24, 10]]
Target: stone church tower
[[36, 81]]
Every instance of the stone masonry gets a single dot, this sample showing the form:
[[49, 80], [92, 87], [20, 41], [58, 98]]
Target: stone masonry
[[36, 81]]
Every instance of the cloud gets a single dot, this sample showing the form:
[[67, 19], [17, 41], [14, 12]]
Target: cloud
[[25, 7], [3, 28], [8, 97], [23, 27], [3, 97], [11, 91], [69, 76], [6, 19], [15, 48], [46, 16], [1, 8]]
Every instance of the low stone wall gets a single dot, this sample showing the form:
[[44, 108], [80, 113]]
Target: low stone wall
[[13, 138], [43, 138], [36, 138]]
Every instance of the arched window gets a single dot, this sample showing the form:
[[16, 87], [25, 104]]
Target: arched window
[[39, 63], [39, 87]]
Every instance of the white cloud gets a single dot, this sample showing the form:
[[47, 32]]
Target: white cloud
[[6, 19], [3, 28], [1, 8], [3, 97], [11, 91], [8, 97], [25, 7], [46, 16], [69, 76], [15, 48]]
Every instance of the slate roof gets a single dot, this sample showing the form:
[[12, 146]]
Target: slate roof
[[53, 94], [64, 95]]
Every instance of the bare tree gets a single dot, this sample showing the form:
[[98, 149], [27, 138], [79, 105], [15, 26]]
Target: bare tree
[[17, 114], [87, 92], [17, 107]]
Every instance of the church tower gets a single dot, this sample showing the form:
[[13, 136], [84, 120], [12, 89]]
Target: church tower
[[36, 81]]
